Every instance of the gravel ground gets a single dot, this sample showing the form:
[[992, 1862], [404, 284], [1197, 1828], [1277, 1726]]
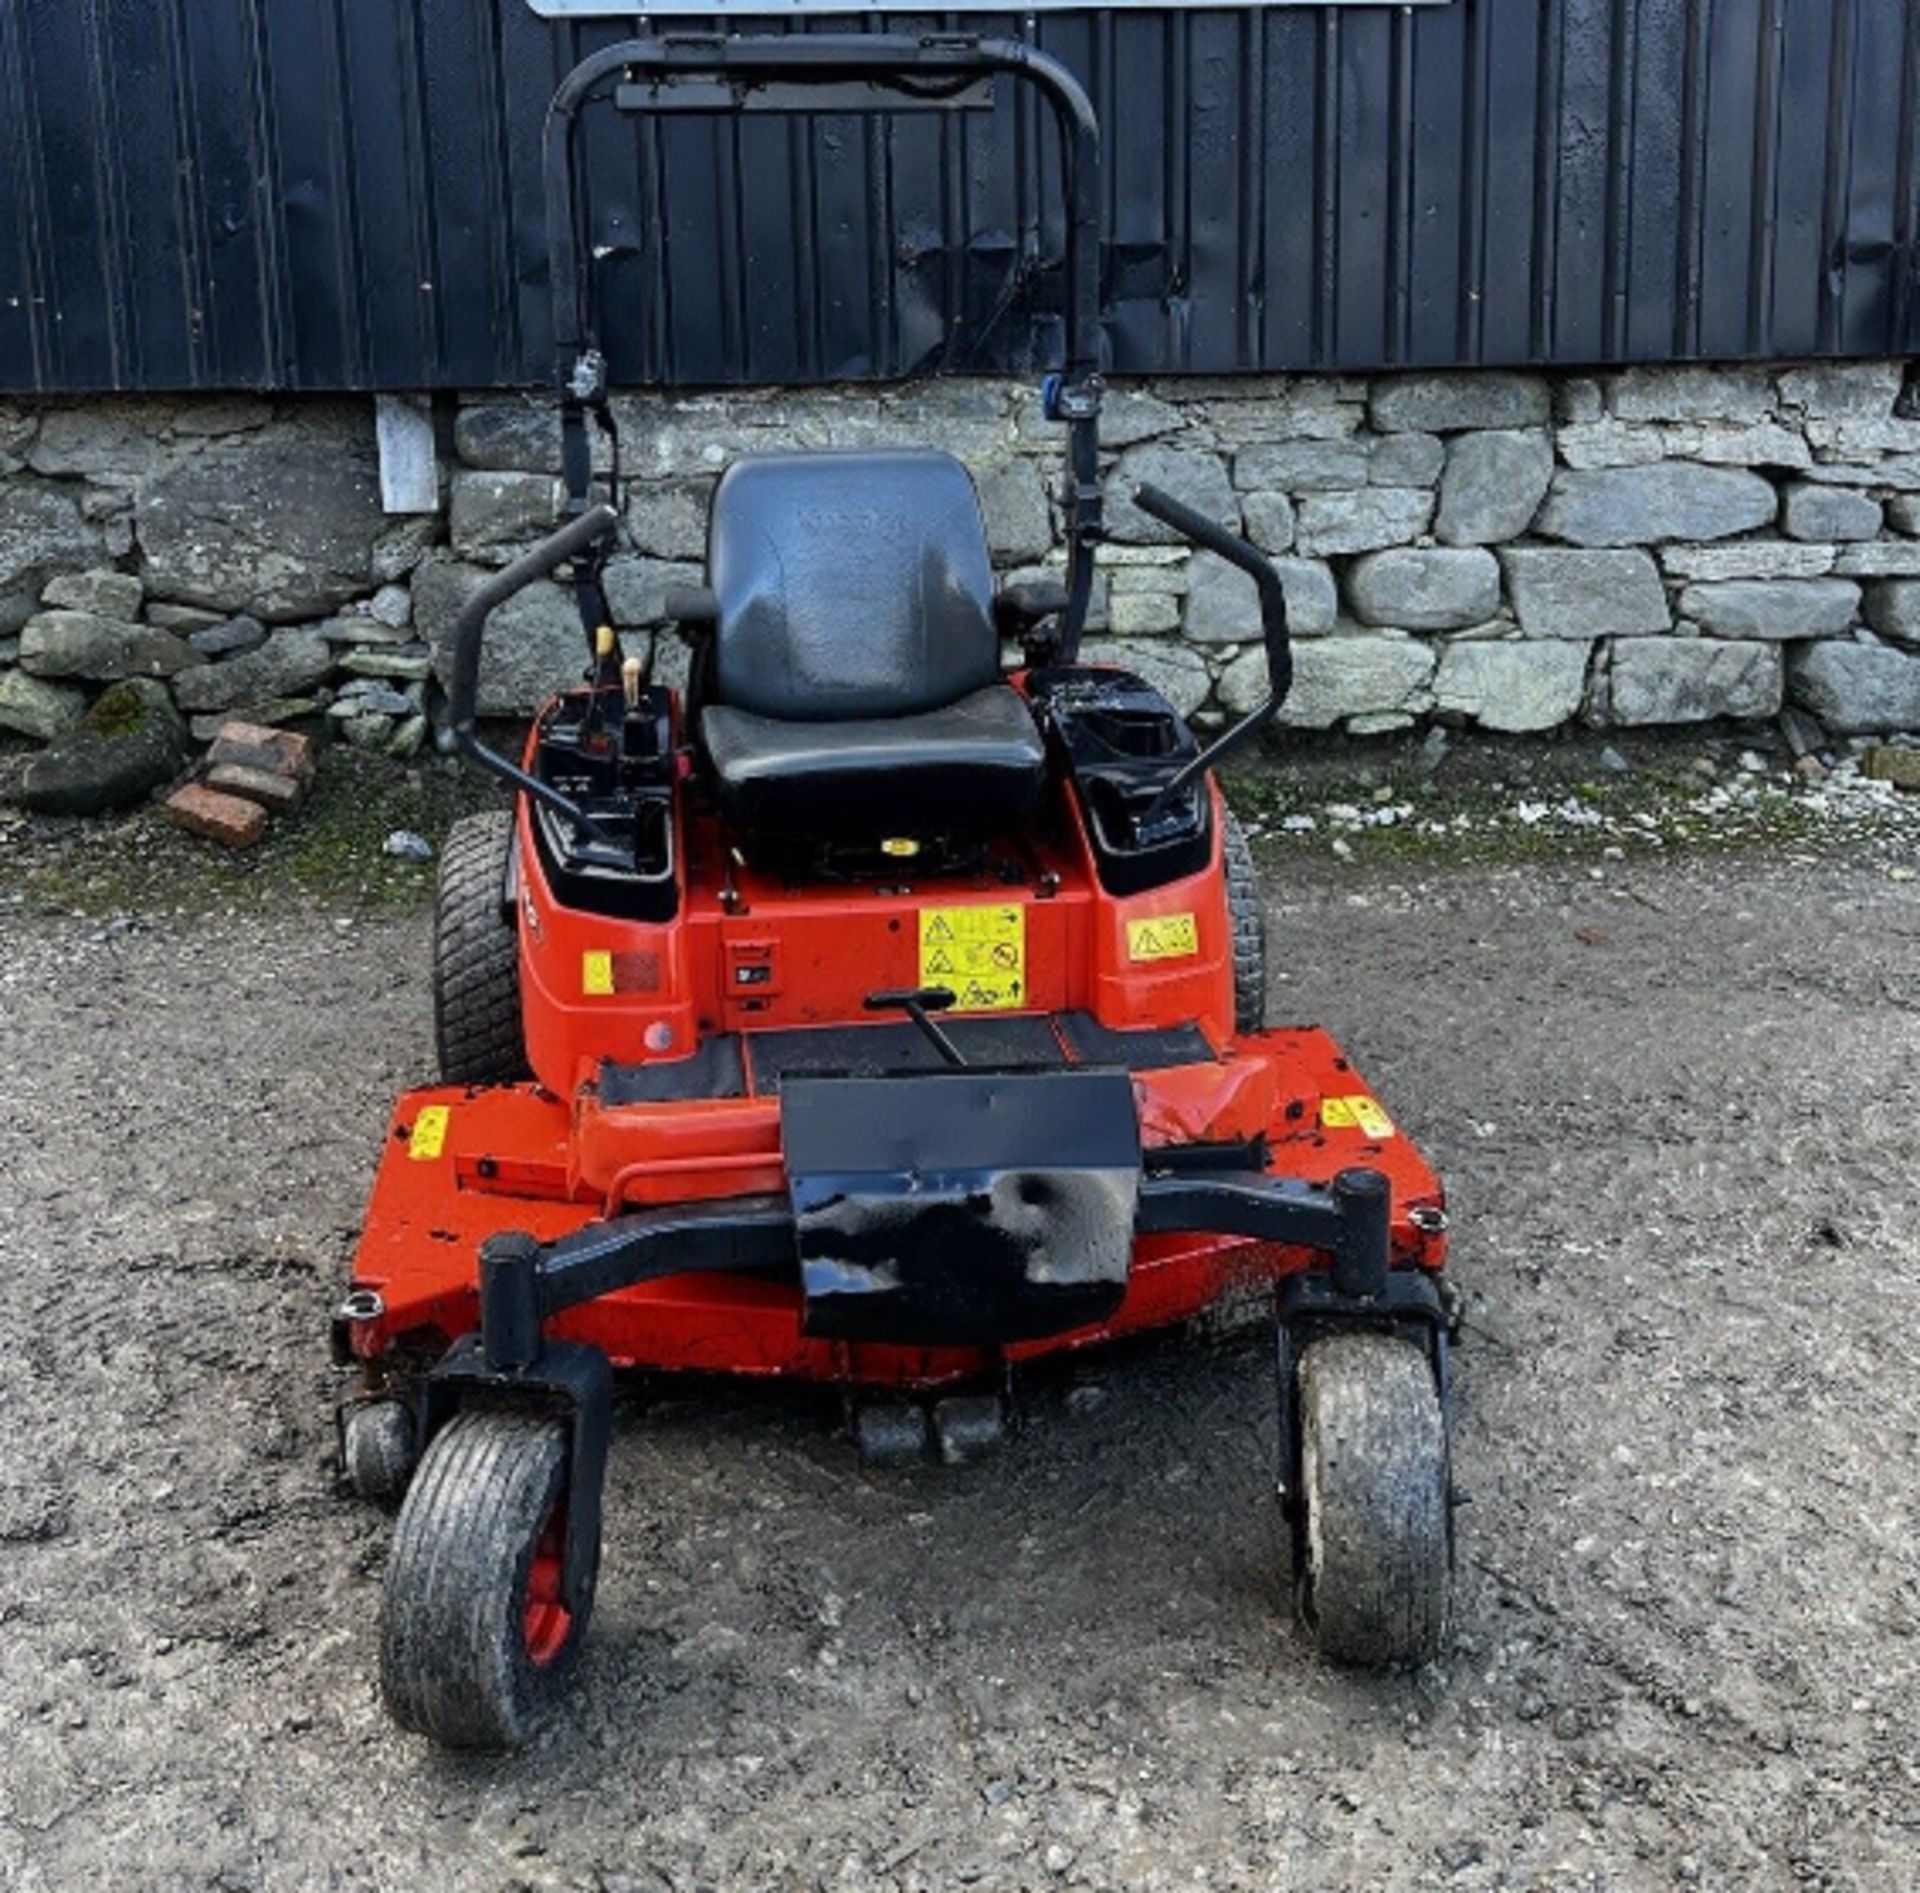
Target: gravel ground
[[1676, 1105]]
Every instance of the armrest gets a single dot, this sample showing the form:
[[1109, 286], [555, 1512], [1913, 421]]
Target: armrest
[[1019, 608], [692, 610]]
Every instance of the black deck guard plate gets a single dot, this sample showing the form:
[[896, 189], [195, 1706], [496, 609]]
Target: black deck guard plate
[[964, 1208]]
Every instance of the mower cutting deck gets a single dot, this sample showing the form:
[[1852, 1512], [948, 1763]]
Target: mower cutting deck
[[876, 1016]]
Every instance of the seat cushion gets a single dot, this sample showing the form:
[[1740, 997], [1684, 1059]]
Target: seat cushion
[[977, 764]]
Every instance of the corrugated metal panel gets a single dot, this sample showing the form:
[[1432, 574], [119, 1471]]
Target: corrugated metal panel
[[345, 194]]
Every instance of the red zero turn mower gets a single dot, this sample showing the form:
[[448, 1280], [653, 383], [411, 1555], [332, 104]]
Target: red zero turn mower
[[875, 1016]]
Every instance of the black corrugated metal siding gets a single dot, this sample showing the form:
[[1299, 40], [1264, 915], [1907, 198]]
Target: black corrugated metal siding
[[345, 194]]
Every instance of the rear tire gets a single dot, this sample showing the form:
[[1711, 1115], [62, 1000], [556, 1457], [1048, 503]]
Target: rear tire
[[1247, 914], [1374, 1506], [476, 1648], [476, 957]]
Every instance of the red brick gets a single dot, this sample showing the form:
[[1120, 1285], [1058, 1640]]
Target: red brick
[[268, 787], [227, 819], [254, 746]]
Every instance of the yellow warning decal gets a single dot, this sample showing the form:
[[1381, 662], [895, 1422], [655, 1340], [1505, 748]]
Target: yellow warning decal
[[429, 1135], [596, 971], [978, 953], [1355, 1114], [1165, 937]]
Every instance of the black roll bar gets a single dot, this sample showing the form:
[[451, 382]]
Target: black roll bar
[[811, 72]]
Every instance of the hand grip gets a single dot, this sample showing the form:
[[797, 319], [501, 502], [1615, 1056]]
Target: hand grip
[[1215, 538], [572, 539]]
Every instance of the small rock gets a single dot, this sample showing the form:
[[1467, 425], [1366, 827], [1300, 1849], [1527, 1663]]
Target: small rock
[[1858, 688], [106, 594], [64, 643], [404, 845], [368, 698], [272, 711], [358, 632], [183, 620], [1363, 521], [37, 708], [1493, 486], [229, 638], [1885, 763], [292, 660], [408, 736], [1613, 762], [409, 664], [1673, 499], [1438, 590], [366, 731], [1785, 608], [1828, 512], [391, 605], [491, 511], [1444, 402], [130, 742]]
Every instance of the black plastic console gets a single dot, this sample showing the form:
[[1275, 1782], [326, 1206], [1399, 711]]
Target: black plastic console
[[1120, 743], [621, 775]]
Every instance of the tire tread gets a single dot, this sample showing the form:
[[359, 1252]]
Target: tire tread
[[1374, 1481], [452, 1662], [476, 957], [1247, 915]]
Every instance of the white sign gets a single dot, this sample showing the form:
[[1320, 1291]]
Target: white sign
[[409, 472]]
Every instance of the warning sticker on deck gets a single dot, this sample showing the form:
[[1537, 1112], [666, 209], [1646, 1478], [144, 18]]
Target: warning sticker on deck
[[978, 953], [1355, 1114], [596, 971], [428, 1138], [1165, 937]]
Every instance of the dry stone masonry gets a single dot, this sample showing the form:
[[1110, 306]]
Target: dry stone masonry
[[1504, 551]]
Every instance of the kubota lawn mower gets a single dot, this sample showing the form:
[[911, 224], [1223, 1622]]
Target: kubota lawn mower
[[877, 1015]]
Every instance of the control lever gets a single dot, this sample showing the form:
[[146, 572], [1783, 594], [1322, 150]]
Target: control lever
[[917, 1002], [1212, 537]]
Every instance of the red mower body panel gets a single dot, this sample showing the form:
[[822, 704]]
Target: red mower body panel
[[754, 959]]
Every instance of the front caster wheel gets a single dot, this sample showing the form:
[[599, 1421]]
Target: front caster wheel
[[377, 1448], [1376, 1561], [476, 1643]]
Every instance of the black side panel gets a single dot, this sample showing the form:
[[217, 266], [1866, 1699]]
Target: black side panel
[[1021, 1041], [716, 1070], [1153, 1050], [1018, 1042], [1122, 744]]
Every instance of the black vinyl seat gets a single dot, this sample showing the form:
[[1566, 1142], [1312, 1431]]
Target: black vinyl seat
[[855, 679]]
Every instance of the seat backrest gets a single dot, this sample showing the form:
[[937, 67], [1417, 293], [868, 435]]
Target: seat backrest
[[849, 585]]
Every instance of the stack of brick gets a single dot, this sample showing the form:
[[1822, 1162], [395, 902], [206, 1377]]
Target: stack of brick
[[251, 772]]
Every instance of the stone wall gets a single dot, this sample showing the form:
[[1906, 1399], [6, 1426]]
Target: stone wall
[[1493, 549]]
